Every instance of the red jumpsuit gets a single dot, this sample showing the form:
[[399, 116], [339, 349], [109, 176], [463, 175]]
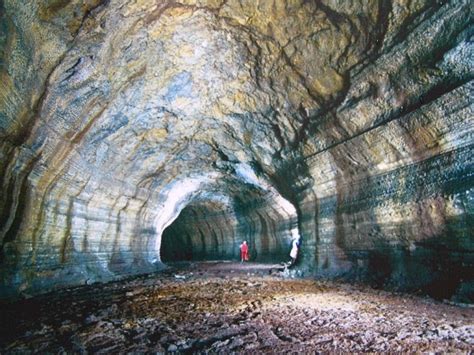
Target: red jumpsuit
[[244, 252]]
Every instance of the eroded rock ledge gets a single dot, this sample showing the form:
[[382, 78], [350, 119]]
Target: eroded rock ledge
[[348, 125]]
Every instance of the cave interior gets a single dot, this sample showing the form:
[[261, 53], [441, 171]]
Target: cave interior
[[137, 136]]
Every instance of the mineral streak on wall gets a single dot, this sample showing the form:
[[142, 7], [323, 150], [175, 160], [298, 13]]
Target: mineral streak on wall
[[136, 130]]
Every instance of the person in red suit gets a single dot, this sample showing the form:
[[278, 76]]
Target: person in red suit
[[244, 252]]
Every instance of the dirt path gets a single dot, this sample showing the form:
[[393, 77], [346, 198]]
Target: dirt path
[[229, 307]]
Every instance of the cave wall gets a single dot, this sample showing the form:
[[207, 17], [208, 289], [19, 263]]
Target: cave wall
[[213, 232], [409, 225], [348, 124]]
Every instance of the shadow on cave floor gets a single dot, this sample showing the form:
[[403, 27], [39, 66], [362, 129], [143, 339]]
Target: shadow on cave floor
[[222, 307]]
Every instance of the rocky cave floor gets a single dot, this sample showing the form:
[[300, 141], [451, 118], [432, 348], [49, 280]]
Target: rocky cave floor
[[229, 307]]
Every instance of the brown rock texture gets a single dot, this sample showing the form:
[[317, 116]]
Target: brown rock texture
[[228, 308], [136, 131]]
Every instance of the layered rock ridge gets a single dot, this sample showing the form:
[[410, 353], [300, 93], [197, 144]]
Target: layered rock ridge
[[136, 131]]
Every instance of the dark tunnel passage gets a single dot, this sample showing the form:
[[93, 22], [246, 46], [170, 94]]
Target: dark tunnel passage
[[176, 244], [197, 235], [211, 231]]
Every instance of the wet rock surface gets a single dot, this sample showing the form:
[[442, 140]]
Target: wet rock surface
[[222, 308]]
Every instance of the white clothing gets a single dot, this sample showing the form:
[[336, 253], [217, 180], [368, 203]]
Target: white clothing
[[294, 249]]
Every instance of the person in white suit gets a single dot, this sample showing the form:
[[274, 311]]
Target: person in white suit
[[294, 250]]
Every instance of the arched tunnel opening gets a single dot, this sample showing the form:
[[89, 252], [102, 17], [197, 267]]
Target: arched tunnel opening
[[196, 235], [210, 230], [142, 142], [176, 243]]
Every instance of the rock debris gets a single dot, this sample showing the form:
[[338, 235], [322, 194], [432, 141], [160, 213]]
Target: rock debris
[[223, 308]]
